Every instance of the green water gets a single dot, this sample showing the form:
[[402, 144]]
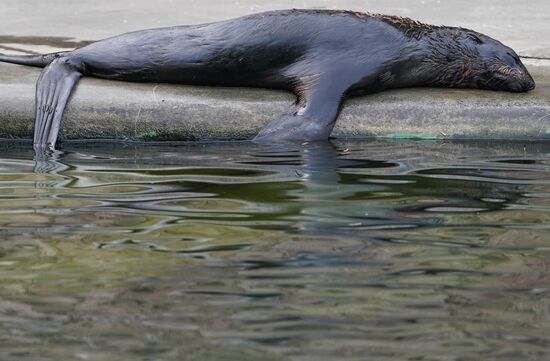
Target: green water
[[342, 251]]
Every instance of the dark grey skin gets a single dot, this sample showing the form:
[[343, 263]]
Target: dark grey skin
[[322, 56]]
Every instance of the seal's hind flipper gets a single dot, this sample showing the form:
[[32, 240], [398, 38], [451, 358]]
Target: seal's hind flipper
[[53, 89]]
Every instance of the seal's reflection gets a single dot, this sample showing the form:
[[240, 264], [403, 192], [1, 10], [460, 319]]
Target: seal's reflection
[[319, 187], [340, 189], [321, 195], [49, 162]]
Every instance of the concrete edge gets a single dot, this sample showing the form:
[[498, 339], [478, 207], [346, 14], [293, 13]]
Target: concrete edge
[[164, 112]]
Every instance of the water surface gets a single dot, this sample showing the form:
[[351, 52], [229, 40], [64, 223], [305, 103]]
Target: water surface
[[233, 251]]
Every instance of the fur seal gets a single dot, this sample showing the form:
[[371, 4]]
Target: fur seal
[[323, 56]]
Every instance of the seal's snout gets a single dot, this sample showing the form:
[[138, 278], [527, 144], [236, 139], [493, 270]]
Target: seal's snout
[[513, 77], [529, 84], [525, 81], [517, 85], [504, 77]]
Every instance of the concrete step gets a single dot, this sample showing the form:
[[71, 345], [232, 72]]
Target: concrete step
[[120, 110]]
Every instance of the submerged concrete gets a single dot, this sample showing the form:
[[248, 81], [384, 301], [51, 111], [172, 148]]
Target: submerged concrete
[[108, 109]]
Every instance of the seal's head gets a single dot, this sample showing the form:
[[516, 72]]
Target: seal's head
[[473, 60], [502, 69]]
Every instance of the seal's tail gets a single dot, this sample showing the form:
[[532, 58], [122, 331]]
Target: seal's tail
[[39, 61]]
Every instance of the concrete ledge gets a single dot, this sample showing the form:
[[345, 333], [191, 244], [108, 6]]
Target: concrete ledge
[[117, 110]]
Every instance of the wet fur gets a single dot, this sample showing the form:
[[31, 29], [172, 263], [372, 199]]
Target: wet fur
[[323, 56]]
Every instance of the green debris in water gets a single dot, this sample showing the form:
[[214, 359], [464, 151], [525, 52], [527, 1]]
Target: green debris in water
[[147, 135], [404, 136]]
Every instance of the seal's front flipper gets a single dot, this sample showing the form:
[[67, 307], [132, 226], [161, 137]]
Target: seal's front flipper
[[292, 126], [53, 89], [311, 118]]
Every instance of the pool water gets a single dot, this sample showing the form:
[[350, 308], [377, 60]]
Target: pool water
[[367, 250]]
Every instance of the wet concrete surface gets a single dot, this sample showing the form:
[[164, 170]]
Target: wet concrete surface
[[521, 25]]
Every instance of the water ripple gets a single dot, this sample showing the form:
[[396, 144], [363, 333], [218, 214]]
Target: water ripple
[[345, 250]]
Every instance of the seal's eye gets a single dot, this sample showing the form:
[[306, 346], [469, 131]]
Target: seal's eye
[[475, 39], [515, 57]]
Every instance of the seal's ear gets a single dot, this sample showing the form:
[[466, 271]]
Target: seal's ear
[[475, 39]]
